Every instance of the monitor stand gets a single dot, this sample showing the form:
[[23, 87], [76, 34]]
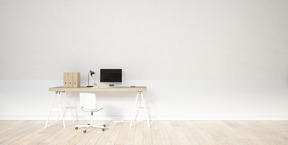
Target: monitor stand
[[111, 85]]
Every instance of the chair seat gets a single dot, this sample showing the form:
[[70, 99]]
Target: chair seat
[[91, 109]]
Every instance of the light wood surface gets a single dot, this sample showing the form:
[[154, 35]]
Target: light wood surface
[[100, 89], [160, 133], [76, 79], [65, 79]]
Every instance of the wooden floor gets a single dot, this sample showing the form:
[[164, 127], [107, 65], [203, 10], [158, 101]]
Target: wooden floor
[[160, 133]]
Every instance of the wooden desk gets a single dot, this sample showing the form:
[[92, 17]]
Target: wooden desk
[[138, 89], [100, 89]]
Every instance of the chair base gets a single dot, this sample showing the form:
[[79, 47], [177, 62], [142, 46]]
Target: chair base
[[101, 125]]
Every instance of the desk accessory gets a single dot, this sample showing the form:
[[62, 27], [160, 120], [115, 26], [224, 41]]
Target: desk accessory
[[111, 76], [71, 79], [76, 79], [92, 74], [65, 79]]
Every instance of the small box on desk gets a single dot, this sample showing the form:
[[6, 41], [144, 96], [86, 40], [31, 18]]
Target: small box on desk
[[71, 80]]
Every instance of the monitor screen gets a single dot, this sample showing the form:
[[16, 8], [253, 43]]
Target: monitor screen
[[110, 75]]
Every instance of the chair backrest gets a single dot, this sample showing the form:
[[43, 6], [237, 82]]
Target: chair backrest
[[88, 100]]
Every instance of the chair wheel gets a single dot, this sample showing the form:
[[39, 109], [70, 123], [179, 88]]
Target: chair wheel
[[104, 125], [76, 128], [102, 129], [84, 131]]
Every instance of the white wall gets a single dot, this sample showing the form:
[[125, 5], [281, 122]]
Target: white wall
[[199, 59], [167, 99]]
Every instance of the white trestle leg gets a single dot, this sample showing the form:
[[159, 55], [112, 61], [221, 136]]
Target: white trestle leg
[[68, 106], [138, 108], [50, 109], [59, 109], [145, 109]]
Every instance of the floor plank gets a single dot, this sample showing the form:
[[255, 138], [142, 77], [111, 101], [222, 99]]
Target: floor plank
[[123, 133], [160, 133]]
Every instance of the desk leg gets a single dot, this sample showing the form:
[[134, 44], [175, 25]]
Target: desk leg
[[51, 104], [68, 105], [137, 108], [61, 111], [145, 109], [58, 109]]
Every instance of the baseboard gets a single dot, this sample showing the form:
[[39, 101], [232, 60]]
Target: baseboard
[[220, 117], [153, 117]]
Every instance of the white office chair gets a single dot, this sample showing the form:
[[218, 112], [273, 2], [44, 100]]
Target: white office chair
[[88, 104]]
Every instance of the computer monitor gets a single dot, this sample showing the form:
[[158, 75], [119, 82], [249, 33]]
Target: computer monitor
[[111, 75]]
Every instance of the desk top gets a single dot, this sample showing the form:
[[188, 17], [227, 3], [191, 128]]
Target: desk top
[[100, 89]]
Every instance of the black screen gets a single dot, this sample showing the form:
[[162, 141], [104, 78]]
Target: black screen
[[110, 75]]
